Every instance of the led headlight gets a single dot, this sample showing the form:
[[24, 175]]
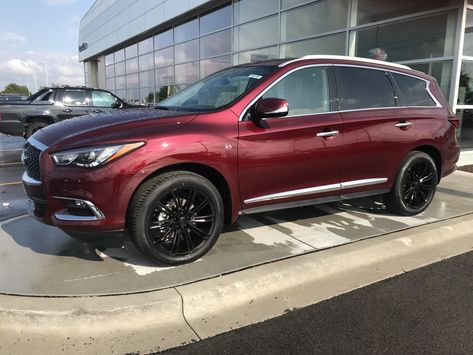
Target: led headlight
[[93, 156]]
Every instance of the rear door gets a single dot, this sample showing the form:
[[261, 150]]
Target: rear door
[[75, 102], [378, 132], [296, 157]]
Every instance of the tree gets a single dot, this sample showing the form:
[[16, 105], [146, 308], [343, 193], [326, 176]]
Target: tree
[[13, 88]]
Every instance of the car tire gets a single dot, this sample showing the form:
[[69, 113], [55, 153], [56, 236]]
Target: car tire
[[414, 186], [34, 126], [175, 218]]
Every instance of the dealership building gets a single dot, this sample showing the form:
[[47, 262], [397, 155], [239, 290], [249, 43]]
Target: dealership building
[[144, 50]]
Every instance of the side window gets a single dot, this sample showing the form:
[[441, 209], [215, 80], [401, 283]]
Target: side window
[[360, 88], [413, 92], [75, 98], [306, 90], [104, 99]]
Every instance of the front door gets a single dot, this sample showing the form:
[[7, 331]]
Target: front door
[[297, 157]]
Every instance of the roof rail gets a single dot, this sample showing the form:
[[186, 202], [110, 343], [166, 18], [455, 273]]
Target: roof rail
[[343, 57]]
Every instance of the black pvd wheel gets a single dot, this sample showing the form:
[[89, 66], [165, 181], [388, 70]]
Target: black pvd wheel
[[415, 185], [176, 217]]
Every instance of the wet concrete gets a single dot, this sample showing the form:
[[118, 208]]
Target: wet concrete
[[36, 259]]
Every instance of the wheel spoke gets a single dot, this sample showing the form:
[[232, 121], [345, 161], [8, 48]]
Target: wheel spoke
[[202, 204], [176, 199], [203, 219], [175, 243], [160, 224], [187, 236], [426, 178], [200, 233], [165, 209], [162, 236]]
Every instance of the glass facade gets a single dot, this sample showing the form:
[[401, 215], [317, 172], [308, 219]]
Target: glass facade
[[423, 34]]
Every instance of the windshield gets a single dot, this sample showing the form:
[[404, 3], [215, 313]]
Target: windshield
[[217, 90]]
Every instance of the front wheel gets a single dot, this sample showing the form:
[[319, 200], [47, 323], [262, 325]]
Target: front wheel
[[176, 217], [415, 185]]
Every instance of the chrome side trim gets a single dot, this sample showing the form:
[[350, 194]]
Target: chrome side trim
[[364, 182], [37, 144], [316, 201], [317, 189], [348, 58], [98, 215], [27, 180]]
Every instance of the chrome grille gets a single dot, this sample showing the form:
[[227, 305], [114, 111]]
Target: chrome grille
[[31, 160]]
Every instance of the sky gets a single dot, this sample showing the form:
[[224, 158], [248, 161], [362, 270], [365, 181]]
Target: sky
[[40, 34]]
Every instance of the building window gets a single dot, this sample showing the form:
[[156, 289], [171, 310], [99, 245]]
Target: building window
[[216, 44], [186, 31], [187, 73], [332, 44], [256, 55], [186, 52], [255, 34], [164, 39], [319, 17], [247, 10], [374, 10], [216, 20], [419, 38], [210, 66], [164, 57], [145, 46], [442, 71], [131, 51]]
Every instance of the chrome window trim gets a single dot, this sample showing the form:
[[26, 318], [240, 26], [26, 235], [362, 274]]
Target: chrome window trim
[[27, 180], [98, 214], [437, 103], [317, 189], [269, 87]]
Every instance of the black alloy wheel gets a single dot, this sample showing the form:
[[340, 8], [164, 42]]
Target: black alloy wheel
[[181, 221], [175, 218], [415, 185], [418, 184]]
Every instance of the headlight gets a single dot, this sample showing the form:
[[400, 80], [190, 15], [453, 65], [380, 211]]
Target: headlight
[[93, 156]]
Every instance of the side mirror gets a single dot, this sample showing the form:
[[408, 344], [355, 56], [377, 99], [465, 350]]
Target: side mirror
[[271, 107]]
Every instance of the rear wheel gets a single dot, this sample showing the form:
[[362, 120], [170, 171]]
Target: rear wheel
[[175, 218], [34, 126], [415, 185]]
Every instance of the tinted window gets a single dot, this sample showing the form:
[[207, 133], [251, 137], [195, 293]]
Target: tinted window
[[360, 88], [103, 99], [75, 98], [305, 90], [413, 92]]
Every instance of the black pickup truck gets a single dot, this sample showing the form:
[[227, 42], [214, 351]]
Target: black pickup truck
[[51, 105]]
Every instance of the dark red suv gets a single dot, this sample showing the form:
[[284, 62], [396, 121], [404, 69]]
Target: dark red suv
[[247, 139]]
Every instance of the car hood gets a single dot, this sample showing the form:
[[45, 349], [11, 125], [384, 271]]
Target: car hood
[[85, 128]]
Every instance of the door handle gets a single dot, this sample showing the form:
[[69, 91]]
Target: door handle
[[67, 110], [97, 111], [404, 124], [328, 134]]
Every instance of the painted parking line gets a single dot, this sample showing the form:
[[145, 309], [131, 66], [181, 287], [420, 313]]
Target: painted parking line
[[10, 183]]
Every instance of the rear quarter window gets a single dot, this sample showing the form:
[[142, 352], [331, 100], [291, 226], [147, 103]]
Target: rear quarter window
[[412, 91]]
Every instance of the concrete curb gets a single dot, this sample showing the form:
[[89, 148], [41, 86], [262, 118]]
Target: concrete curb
[[158, 320]]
